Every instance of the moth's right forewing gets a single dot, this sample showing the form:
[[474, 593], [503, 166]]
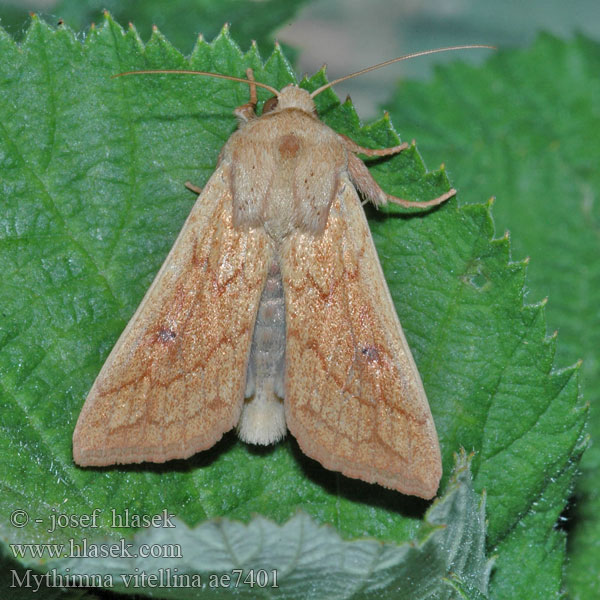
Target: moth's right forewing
[[174, 382]]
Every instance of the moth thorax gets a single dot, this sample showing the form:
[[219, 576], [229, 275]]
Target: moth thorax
[[291, 96]]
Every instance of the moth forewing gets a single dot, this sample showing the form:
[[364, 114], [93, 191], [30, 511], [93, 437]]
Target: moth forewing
[[175, 380], [354, 397]]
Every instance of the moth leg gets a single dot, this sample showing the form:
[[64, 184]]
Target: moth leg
[[426, 204], [193, 188], [354, 147], [363, 180], [248, 111]]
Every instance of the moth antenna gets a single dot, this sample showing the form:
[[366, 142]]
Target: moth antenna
[[186, 72], [398, 59]]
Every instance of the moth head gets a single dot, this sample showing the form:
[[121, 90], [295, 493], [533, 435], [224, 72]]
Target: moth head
[[291, 96]]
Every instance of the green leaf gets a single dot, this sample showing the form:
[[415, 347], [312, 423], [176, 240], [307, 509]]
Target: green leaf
[[92, 199], [180, 20], [282, 558], [525, 129]]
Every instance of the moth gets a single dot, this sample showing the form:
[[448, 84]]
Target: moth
[[270, 313]]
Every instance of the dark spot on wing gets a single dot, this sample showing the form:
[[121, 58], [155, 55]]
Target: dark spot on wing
[[166, 335], [370, 353]]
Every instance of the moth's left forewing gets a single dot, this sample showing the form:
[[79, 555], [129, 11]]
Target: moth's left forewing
[[354, 397]]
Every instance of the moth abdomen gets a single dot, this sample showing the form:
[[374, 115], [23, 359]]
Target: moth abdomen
[[263, 420]]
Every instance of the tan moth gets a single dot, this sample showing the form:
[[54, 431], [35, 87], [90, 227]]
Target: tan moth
[[270, 313]]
